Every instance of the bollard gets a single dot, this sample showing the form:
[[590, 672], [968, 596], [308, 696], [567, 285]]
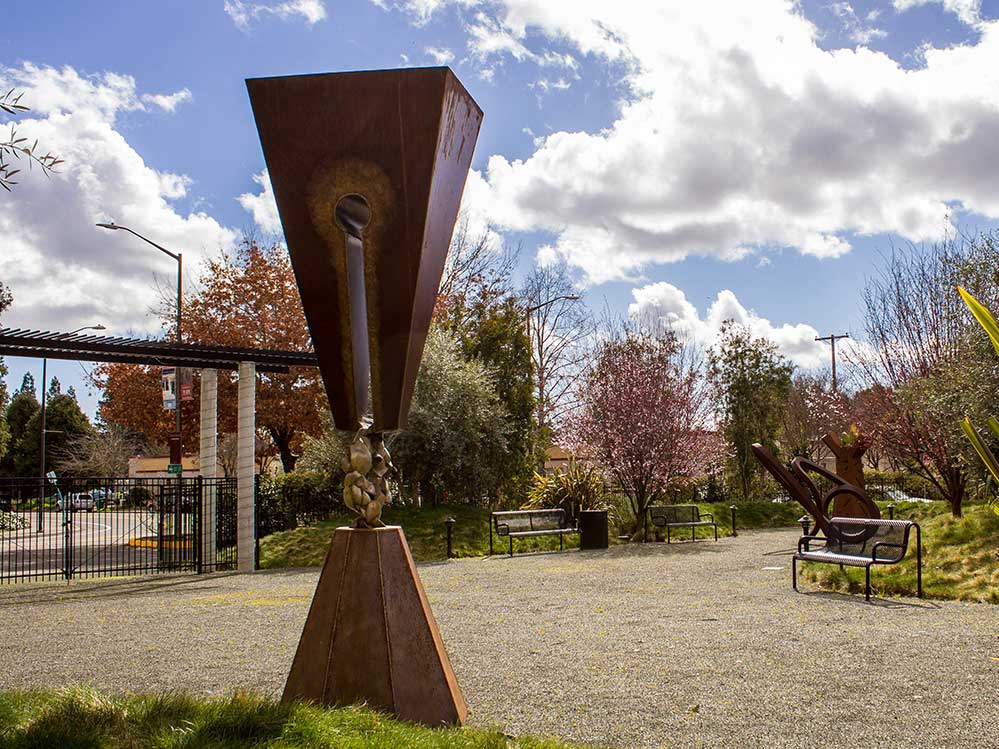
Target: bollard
[[891, 511], [805, 521], [449, 523], [732, 508]]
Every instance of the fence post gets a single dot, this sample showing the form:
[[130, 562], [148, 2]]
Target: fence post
[[199, 519]]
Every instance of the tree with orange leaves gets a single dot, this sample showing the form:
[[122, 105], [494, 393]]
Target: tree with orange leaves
[[247, 298]]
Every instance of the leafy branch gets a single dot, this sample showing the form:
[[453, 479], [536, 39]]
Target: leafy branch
[[14, 148]]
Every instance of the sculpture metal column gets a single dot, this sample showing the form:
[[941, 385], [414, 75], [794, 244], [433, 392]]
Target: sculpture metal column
[[368, 170]]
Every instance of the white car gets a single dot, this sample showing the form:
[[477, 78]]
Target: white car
[[76, 502]]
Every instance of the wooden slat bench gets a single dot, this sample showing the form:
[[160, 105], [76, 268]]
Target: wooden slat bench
[[679, 516], [525, 523], [861, 542]]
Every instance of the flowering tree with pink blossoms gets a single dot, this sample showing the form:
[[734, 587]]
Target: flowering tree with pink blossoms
[[643, 416]]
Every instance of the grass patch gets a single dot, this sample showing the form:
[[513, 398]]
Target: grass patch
[[425, 531], [960, 557], [83, 718], [424, 528]]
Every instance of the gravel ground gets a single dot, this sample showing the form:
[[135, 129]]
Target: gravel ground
[[642, 645]]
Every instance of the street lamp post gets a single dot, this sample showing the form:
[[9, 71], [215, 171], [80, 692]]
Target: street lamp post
[[45, 362], [179, 257]]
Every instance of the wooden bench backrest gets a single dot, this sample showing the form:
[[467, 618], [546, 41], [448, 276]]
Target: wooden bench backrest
[[663, 514], [518, 521]]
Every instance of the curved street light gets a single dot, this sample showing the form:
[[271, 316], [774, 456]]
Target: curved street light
[[179, 257]]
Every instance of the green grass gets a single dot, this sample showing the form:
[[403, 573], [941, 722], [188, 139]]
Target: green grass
[[83, 718], [424, 528], [960, 557]]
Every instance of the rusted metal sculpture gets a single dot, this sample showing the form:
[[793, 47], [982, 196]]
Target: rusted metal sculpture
[[803, 490], [368, 169], [849, 456]]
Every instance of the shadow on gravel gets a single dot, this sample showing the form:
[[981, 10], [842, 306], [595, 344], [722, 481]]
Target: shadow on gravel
[[60, 592], [875, 602]]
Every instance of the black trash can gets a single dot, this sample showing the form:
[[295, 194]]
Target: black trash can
[[593, 529]]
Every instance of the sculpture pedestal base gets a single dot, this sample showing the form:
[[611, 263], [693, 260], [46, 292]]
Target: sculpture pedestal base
[[371, 636]]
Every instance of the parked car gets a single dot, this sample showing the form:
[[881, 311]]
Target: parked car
[[76, 502]]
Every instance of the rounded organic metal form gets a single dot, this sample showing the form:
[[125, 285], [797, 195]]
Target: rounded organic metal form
[[365, 485]]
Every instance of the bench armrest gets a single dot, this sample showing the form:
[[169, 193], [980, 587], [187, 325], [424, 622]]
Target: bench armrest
[[879, 544], [804, 540], [701, 515], [502, 529]]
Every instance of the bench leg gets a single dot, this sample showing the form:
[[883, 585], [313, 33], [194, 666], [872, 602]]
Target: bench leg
[[560, 542], [693, 533], [667, 533], [511, 545], [867, 584], [919, 563], [490, 537], [716, 533], [794, 573]]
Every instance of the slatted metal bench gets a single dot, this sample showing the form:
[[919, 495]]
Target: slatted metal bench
[[861, 542], [525, 523], [679, 516]]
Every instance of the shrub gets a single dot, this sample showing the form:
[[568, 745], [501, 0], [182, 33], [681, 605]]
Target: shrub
[[11, 522], [575, 489]]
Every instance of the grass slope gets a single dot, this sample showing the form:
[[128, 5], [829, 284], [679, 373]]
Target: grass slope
[[83, 718], [960, 558], [424, 528]]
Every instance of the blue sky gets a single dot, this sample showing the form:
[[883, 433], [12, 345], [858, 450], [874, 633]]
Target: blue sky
[[703, 160]]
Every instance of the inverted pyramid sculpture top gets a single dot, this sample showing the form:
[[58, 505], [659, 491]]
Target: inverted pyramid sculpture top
[[368, 169]]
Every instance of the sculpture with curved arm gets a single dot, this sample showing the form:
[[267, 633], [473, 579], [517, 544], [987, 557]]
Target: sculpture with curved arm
[[803, 490]]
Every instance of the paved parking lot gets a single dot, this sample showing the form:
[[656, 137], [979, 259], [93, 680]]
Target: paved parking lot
[[642, 645]]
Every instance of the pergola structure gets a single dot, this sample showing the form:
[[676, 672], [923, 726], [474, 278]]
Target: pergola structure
[[209, 359]]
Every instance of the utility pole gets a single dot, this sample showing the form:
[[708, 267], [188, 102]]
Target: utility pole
[[832, 340]]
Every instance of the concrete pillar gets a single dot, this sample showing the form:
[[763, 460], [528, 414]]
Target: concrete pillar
[[208, 462], [246, 438]]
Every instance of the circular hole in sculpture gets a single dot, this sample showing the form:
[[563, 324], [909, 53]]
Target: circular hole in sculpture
[[352, 214]]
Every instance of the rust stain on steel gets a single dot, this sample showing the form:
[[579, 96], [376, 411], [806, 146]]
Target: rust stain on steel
[[402, 140], [371, 636]]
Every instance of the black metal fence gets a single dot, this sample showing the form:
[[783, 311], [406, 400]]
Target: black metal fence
[[73, 528]]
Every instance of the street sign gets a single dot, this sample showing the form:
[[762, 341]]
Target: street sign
[[173, 468], [173, 442]]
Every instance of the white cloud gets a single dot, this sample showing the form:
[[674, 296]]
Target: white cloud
[[968, 11], [168, 102], [440, 55], [856, 28], [262, 205], [64, 272], [663, 301], [740, 134], [244, 12]]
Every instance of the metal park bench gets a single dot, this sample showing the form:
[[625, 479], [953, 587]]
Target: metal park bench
[[526, 523], [861, 542], [679, 516]]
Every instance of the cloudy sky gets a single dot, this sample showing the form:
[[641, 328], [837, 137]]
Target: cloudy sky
[[743, 159]]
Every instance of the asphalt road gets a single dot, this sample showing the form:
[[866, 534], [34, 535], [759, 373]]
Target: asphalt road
[[93, 541]]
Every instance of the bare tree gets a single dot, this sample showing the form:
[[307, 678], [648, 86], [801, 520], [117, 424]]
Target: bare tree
[[100, 454], [923, 367], [477, 272], [561, 328]]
